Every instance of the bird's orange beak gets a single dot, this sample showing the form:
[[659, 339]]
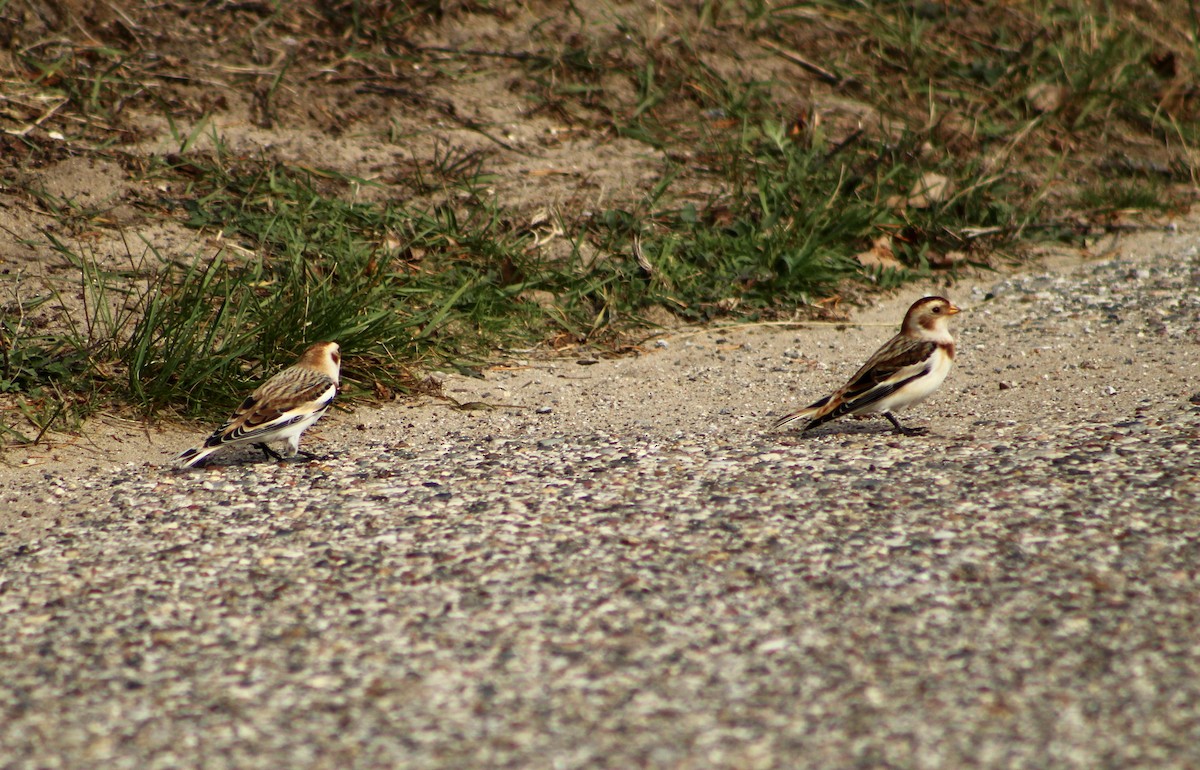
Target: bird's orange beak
[[953, 310]]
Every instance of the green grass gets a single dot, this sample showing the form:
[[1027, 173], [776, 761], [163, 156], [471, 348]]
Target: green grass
[[90, 85], [397, 288], [1029, 112]]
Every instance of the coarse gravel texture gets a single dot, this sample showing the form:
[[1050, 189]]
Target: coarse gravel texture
[[618, 567]]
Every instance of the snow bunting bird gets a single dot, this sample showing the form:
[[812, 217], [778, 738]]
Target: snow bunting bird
[[905, 371], [280, 409]]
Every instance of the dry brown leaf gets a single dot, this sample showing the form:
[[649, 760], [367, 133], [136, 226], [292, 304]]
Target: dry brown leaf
[[947, 259], [880, 255], [931, 188]]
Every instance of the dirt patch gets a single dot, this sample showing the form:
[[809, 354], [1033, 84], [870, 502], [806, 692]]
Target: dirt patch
[[533, 91]]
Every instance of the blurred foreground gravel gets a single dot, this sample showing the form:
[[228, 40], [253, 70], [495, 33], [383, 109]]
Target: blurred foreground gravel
[[639, 576]]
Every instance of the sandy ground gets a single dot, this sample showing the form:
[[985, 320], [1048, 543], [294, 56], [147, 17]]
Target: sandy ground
[[726, 383]]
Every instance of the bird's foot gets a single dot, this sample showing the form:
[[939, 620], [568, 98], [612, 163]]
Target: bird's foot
[[903, 430], [269, 452]]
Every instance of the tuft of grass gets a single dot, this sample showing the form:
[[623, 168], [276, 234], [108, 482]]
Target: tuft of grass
[[92, 84], [793, 221], [48, 374], [396, 288], [1126, 195]]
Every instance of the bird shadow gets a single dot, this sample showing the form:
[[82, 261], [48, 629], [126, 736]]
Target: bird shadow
[[865, 427], [251, 455]]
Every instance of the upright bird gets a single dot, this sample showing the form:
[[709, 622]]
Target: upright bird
[[280, 409], [905, 371]]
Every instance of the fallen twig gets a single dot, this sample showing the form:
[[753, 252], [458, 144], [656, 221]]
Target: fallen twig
[[1083, 228], [797, 59]]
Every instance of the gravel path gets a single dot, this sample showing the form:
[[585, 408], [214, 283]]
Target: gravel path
[[627, 571]]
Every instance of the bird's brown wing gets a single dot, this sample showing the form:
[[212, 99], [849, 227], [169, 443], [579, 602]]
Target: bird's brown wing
[[875, 380], [272, 405], [870, 383], [898, 353]]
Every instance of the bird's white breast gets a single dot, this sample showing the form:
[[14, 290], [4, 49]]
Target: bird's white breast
[[922, 387]]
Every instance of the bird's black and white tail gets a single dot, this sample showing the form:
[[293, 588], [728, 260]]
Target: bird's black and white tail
[[189, 458], [807, 411]]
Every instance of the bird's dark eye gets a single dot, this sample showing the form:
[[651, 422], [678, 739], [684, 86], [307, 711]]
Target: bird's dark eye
[[937, 308]]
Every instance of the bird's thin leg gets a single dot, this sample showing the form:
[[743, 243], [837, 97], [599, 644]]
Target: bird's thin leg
[[901, 429], [295, 451], [268, 451]]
